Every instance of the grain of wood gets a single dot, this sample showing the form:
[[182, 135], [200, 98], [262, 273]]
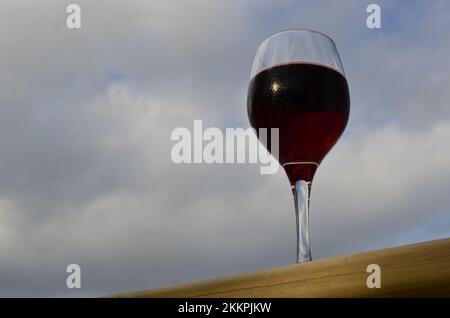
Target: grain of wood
[[418, 270]]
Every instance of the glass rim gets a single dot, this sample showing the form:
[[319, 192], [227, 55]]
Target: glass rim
[[298, 29], [338, 68]]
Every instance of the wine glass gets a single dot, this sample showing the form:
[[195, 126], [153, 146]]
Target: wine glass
[[298, 85]]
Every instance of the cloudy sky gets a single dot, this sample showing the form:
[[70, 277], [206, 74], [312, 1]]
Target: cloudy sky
[[86, 116]]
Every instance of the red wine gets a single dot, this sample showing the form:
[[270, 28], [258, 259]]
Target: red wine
[[310, 105]]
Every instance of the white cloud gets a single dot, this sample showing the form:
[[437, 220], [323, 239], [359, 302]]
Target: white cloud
[[384, 184]]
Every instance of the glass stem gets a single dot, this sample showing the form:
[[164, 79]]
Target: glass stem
[[301, 199]]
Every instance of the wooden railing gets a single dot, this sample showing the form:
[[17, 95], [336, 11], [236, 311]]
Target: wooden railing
[[418, 270]]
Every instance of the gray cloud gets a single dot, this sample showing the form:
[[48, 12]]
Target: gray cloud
[[86, 116]]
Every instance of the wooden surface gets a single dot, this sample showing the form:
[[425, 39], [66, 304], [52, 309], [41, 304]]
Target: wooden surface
[[418, 270]]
